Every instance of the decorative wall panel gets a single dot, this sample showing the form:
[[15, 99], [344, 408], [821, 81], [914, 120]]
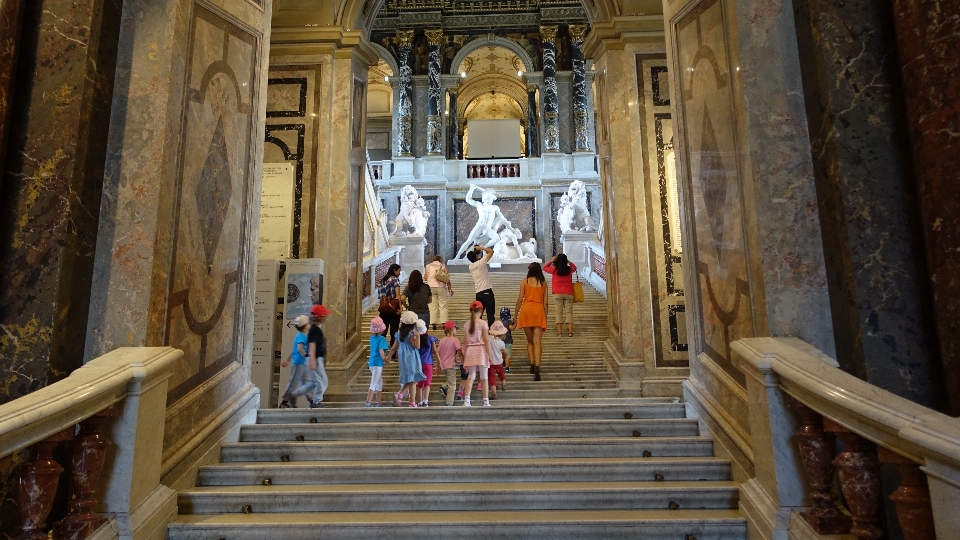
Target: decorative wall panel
[[666, 246], [717, 249], [213, 189]]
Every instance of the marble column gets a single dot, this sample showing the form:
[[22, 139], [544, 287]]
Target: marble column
[[453, 140], [551, 120], [879, 290], [434, 94], [405, 104], [51, 184], [533, 122], [581, 133], [11, 15], [928, 36]]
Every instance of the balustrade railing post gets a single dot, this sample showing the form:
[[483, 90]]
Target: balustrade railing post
[[817, 450], [911, 498], [859, 474], [86, 463], [37, 486]]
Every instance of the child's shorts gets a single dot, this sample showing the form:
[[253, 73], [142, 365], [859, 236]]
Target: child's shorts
[[428, 371], [497, 371], [478, 370]]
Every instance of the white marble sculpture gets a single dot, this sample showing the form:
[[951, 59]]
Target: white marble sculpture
[[493, 230], [528, 249], [489, 221], [573, 214], [413, 216]]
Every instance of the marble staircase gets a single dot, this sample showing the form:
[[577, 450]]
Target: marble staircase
[[571, 456]]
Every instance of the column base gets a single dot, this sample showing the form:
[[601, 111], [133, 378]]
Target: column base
[[584, 164], [433, 169], [402, 170]]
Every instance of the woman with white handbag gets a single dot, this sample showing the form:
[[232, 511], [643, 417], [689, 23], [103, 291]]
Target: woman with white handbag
[[437, 277]]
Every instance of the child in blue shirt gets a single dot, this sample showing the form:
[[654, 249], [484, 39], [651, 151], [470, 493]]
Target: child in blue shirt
[[299, 374], [378, 354]]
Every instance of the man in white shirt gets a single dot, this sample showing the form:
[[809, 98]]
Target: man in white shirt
[[481, 279]]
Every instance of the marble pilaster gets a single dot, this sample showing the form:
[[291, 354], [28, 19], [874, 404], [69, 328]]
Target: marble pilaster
[[581, 135], [51, 182], [453, 129], [11, 17], [551, 119], [405, 103], [533, 122], [434, 94], [875, 267], [928, 37]]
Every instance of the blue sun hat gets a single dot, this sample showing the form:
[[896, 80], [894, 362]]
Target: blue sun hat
[[504, 314]]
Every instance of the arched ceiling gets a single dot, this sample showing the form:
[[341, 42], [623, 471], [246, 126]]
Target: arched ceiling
[[491, 60], [493, 107]]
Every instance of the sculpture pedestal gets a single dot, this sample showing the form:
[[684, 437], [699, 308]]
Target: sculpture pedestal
[[411, 258], [574, 245]]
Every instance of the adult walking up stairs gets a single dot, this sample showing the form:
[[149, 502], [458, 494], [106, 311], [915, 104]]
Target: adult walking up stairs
[[572, 456]]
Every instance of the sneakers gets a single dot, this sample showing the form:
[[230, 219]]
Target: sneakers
[[443, 390], [287, 405], [424, 404], [413, 404], [466, 402], [459, 395], [486, 403], [367, 405], [379, 404], [317, 405], [399, 397], [506, 370]]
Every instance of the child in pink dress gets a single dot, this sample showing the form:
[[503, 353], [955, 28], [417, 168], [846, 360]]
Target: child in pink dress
[[475, 357]]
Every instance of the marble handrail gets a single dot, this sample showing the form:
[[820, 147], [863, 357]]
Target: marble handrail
[[801, 404], [911, 430], [90, 389]]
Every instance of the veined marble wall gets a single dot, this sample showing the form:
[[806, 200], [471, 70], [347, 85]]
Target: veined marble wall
[[176, 246]]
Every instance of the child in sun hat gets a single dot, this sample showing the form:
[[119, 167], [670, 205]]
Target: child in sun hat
[[508, 337], [498, 355], [449, 349], [407, 345], [476, 360], [299, 376], [428, 354], [378, 354]]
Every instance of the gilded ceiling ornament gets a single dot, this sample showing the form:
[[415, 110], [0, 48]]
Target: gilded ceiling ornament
[[548, 34]]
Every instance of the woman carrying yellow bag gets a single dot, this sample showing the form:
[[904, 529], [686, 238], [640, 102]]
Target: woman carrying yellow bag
[[564, 290]]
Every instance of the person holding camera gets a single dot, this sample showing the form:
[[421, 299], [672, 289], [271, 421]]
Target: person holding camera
[[480, 271]]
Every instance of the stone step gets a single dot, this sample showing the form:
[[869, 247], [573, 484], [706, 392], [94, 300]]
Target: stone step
[[458, 429], [542, 392], [458, 497], [725, 524], [395, 471], [558, 447], [568, 412]]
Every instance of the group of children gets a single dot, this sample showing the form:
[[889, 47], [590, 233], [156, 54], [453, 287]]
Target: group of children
[[486, 355]]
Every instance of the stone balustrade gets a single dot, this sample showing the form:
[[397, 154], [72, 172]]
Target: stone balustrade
[[595, 269], [801, 404], [107, 415], [493, 169]]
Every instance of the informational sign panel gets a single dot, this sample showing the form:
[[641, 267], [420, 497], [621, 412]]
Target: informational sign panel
[[265, 352], [276, 211]]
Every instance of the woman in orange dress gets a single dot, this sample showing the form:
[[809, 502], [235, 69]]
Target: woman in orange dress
[[532, 309]]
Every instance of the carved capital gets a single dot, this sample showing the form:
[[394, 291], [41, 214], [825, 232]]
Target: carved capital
[[434, 37], [577, 33], [548, 34], [531, 88], [404, 38]]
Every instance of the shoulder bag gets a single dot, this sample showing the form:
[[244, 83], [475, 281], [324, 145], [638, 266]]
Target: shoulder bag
[[577, 291]]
